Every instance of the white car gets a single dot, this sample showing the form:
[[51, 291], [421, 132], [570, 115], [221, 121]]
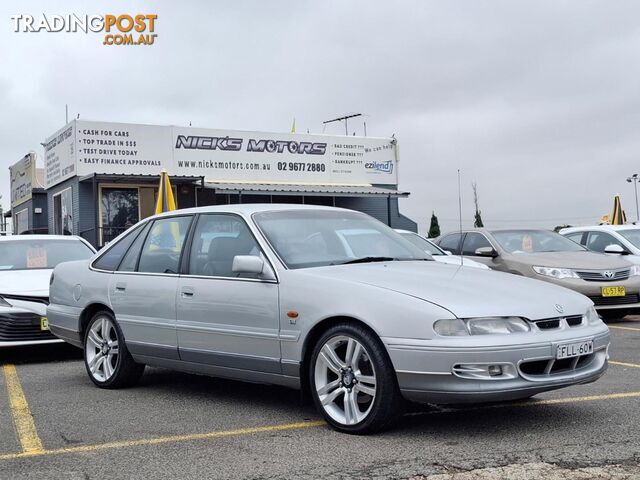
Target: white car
[[26, 263], [609, 239], [437, 253]]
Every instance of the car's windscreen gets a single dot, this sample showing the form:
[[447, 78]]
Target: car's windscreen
[[307, 238], [632, 235], [535, 241], [422, 244], [33, 254]]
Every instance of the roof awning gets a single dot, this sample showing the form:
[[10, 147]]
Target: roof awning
[[137, 178], [299, 189]]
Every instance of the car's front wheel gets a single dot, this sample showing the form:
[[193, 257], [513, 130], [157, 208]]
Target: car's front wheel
[[108, 362], [353, 383]]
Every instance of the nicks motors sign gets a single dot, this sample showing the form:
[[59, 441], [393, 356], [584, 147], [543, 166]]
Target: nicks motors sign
[[219, 155]]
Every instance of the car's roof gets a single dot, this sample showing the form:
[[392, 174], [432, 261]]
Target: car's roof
[[14, 238], [604, 228], [251, 208]]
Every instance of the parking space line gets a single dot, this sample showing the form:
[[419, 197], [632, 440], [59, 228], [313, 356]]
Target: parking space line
[[168, 439], [290, 426], [624, 364], [22, 418], [624, 328]]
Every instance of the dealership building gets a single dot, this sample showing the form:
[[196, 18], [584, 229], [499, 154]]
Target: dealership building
[[100, 178]]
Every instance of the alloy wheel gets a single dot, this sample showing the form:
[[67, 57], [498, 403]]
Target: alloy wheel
[[101, 349]]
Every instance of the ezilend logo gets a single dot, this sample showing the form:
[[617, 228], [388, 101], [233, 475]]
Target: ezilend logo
[[384, 167]]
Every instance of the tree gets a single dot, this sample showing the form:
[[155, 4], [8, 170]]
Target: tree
[[434, 228], [557, 228], [477, 218]]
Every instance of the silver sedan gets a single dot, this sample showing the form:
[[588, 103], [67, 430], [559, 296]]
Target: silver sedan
[[293, 295]]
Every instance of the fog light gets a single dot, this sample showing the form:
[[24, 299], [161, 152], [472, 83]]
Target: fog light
[[495, 370]]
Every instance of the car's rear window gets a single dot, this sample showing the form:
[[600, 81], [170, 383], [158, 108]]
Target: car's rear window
[[34, 254]]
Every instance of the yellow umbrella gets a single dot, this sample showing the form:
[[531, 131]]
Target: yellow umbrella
[[618, 217], [166, 202]]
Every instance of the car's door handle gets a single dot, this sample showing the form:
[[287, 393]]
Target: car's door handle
[[187, 292], [121, 287]]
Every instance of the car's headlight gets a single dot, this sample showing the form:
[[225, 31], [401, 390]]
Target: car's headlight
[[592, 316], [635, 270], [555, 272], [481, 326], [4, 303]]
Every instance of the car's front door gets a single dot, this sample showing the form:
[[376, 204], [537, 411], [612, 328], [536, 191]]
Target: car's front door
[[143, 289], [227, 319]]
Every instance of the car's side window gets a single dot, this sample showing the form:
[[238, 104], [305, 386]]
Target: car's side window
[[130, 260], [598, 241], [451, 243], [163, 245], [473, 241], [576, 237], [217, 239], [113, 256]]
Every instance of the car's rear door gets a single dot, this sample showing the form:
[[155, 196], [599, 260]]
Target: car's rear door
[[143, 289], [226, 319]]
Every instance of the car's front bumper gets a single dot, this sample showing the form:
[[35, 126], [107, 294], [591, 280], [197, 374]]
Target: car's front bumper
[[437, 374], [20, 326]]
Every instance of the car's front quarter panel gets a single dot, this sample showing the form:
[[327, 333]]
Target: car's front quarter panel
[[74, 288]]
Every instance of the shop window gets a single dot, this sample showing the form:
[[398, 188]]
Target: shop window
[[21, 222], [63, 213], [119, 211], [163, 245]]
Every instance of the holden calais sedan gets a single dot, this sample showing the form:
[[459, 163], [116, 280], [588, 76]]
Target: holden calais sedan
[[26, 263], [277, 294]]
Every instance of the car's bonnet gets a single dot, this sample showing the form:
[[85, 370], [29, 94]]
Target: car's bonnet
[[576, 260], [466, 292], [25, 282]]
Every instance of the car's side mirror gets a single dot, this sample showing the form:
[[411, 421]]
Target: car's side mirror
[[247, 264], [486, 252], [616, 249]]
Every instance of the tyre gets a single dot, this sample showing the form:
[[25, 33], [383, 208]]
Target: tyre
[[108, 362], [613, 315], [352, 381]]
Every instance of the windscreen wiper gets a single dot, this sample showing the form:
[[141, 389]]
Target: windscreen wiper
[[368, 259]]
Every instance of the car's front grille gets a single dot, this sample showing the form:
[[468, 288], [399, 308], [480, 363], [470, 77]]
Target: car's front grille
[[549, 323], [22, 327], [27, 298], [604, 275], [542, 368], [607, 301]]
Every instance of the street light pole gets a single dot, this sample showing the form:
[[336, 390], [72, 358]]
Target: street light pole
[[635, 179]]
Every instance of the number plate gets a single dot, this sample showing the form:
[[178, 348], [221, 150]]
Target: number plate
[[613, 292], [570, 350], [44, 323]]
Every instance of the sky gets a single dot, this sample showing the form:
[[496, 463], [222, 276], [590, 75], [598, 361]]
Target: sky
[[537, 102]]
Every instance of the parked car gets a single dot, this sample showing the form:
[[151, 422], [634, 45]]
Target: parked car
[[283, 301], [437, 253], [612, 283], [26, 263], [621, 240]]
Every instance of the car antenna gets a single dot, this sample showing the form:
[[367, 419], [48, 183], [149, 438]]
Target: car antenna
[[460, 217]]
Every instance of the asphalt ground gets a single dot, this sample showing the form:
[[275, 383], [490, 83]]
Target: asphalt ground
[[55, 424]]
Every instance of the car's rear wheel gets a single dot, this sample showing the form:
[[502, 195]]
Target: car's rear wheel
[[108, 362], [352, 381]]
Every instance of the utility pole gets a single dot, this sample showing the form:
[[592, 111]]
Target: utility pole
[[635, 179], [345, 118]]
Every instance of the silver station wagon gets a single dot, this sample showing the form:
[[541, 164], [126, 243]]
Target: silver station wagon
[[292, 295]]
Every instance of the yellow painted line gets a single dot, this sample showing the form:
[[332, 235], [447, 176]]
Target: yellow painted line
[[22, 418], [624, 364], [160, 440], [624, 328]]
